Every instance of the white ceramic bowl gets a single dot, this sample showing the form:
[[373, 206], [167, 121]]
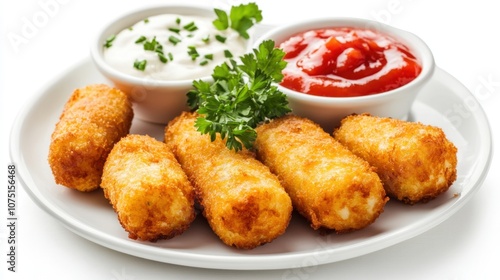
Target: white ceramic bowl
[[154, 100], [328, 111]]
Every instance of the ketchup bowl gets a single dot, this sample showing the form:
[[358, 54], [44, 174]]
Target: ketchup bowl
[[341, 66], [129, 49]]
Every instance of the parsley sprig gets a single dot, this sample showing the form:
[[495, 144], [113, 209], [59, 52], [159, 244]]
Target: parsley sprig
[[240, 18], [241, 96]]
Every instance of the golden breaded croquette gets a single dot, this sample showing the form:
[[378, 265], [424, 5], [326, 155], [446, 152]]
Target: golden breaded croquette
[[243, 202], [93, 119], [148, 189], [415, 161], [330, 186]]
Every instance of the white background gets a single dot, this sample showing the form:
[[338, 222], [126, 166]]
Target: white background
[[462, 34]]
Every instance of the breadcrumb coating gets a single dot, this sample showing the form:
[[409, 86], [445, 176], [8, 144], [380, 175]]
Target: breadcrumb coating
[[148, 189], [416, 162], [243, 202], [93, 119], [330, 186]]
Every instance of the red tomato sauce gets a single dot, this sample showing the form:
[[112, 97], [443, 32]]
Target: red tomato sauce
[[346, 62]]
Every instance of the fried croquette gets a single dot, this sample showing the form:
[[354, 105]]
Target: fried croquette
[[93, 119], [415, 161], [148, 189], [330, 186], [243, 202]]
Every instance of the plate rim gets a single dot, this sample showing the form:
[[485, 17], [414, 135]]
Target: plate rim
[[242, 262]]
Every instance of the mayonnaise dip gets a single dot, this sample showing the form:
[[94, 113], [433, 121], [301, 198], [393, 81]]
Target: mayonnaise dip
[[172, 47]]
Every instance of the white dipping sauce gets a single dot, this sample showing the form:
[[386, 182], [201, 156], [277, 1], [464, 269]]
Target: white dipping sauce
[[123, 51]]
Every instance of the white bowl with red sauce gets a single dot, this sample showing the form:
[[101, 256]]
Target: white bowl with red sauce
[[352, 68]]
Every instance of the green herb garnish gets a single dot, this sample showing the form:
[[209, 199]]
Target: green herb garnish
[[241, 96], [220, 38], [193, 53], [175, 30], [162, 57], [240, 18], [152, 45], [190, 27], [174, 40], [109, 41], [227, 54], [140, 40], [140, 64]]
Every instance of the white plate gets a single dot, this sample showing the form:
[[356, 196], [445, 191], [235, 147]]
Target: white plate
[[444, 102]]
